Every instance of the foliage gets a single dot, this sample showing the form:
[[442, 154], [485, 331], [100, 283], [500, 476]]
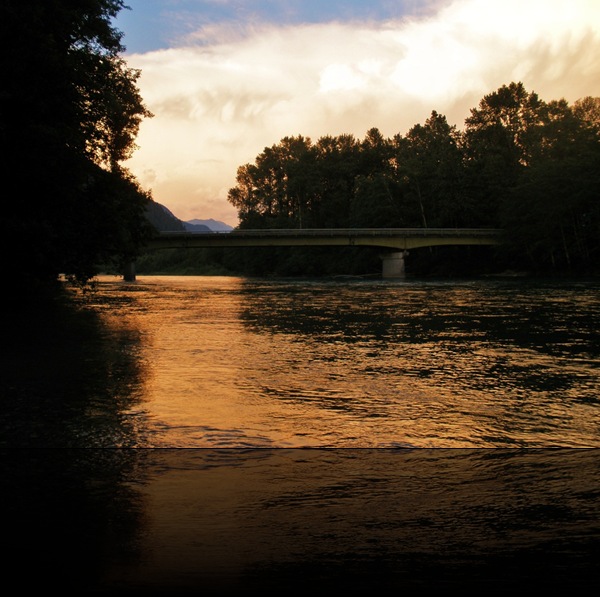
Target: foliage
[[553, 212], [182, 262], [522, 164], [69, 113]]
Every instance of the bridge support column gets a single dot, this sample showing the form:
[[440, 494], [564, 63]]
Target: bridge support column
[[393, 264], [129, 273]]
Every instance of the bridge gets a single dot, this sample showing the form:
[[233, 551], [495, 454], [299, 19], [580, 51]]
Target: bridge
[[395, 242]]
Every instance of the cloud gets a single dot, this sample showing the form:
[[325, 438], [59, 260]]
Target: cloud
[[219, 103]]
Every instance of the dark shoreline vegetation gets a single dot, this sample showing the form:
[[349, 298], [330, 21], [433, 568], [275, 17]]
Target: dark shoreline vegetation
[[70, 111]]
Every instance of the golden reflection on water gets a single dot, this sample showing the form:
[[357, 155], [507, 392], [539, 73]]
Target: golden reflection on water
[[239, 363]]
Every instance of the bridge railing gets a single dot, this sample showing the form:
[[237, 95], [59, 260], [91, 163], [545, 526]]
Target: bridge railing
[[395, 232]]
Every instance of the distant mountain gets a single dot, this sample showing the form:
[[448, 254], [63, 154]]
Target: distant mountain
[[164, 221], [211, 225]]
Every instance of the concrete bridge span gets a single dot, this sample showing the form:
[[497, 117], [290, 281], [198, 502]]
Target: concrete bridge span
[[394, 242]]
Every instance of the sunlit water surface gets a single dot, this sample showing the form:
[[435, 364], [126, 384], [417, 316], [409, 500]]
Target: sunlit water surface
[[233, 362]]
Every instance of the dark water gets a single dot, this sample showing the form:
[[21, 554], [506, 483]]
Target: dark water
[[232, 521], [221, 435]]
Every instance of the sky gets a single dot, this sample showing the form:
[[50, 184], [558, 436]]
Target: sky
[[227, 78]]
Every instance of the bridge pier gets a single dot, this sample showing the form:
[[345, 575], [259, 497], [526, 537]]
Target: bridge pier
[[129, 273], [393, 264]]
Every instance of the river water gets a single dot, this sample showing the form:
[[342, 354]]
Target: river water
[[223, 434], [233, 362]]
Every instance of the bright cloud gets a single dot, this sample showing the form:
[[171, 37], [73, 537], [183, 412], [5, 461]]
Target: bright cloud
[[219, 103]]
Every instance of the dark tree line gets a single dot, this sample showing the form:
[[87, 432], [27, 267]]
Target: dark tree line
[[522, 164], [69, 114]]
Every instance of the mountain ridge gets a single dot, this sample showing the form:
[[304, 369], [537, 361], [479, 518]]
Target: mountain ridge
[[211, 224], [163, 219]]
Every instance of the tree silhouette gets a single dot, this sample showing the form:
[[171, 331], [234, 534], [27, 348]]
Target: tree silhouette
[[69, 113], [528, 166]]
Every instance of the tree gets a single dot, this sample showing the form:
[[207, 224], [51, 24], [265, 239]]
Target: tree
[[276, 191], [69, 113], [375, 200], [587, 109], [296, 184], [497, 143], [428, 162], [553, 213], [521, 164], [338, 165]]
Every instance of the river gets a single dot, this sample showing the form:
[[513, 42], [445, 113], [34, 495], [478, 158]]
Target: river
[[233, 434], [233, 362]]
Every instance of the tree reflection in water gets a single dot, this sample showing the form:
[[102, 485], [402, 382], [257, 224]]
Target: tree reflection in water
[[71, 379]]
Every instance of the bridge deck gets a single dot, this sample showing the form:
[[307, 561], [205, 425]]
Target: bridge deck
[[391, 238]]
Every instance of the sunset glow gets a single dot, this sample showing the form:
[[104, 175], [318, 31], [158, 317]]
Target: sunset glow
[[224, 91]]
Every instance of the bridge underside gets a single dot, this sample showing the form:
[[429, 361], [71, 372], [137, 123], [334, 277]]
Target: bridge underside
[[395, 242]]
